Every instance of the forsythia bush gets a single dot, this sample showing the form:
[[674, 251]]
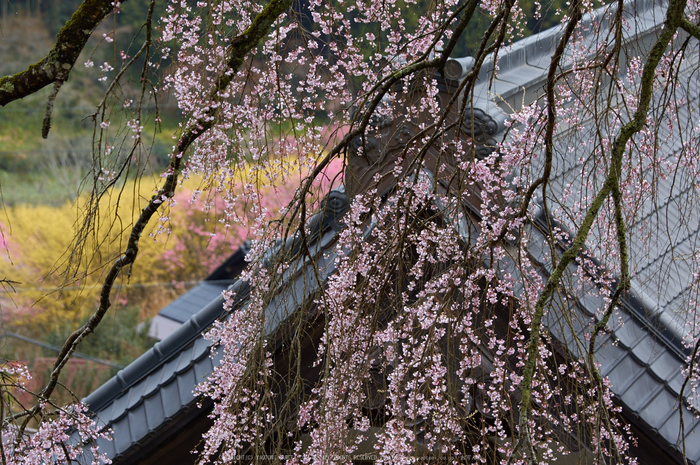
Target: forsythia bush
[[188, 243]]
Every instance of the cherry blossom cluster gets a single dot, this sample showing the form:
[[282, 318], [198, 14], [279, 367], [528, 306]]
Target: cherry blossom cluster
[[430, 316], [62, 435]]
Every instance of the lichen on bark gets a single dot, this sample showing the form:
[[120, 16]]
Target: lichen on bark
[[56, 65]]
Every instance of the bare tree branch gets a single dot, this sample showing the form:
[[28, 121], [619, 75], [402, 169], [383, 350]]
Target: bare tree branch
[[59, 62], [238, 49]]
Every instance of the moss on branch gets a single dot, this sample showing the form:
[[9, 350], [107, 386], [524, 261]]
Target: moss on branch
[[58, 63], [691, 28], [673, 20]]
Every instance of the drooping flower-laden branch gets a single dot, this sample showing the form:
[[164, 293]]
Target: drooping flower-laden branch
[[239, 48], [611, 186], [415, 330], [385, 313], [50, 443]]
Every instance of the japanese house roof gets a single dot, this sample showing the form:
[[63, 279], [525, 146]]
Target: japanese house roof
[[182, 308], [642, 354]]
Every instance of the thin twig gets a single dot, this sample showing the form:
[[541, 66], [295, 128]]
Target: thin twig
[[46, 125], [239, 48]]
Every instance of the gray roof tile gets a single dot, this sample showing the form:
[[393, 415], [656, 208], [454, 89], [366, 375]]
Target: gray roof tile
[[664, 287], [561, 329], [641, 391], [609, 355], [638, 388], [676, 383], [658, 410], [171, 399], [540, 47], [523, 74], [182, 308], [201, 348], [664, 215], [645, 369], [136, 394], [647, 319], [138, 423], [160, 384], [217, 357], [185, 360], [647, 348], [87, 456], [590, 302], [625, 372], [186, 383], [155, 414], [104, 416], [692, 396], [122, 435], [168, 371], [203, 368], [672, 427], [667, 366], [106, 447], [629, 333], [153, 382], [119, 407]]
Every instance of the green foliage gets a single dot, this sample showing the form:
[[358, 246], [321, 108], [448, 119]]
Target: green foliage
[[133, 14], [119, 338]]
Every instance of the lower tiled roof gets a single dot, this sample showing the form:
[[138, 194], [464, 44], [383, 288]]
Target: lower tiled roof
[[644, 373], [159, 386]]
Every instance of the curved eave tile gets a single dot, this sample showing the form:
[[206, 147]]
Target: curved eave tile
[[658, 410], [138, 421], [171, 400], [641, 392], [186, 383], [122, 435], [155, 414], [624, 374]]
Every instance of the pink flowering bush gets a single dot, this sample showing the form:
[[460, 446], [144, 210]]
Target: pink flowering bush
[[202, 232]]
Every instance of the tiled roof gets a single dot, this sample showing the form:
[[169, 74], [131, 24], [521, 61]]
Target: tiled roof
[[159, 386], [523, 66], [643, 354], [182, 308], [644, 371]]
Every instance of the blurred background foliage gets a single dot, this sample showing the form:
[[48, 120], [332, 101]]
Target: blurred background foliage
[[45, 305]]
